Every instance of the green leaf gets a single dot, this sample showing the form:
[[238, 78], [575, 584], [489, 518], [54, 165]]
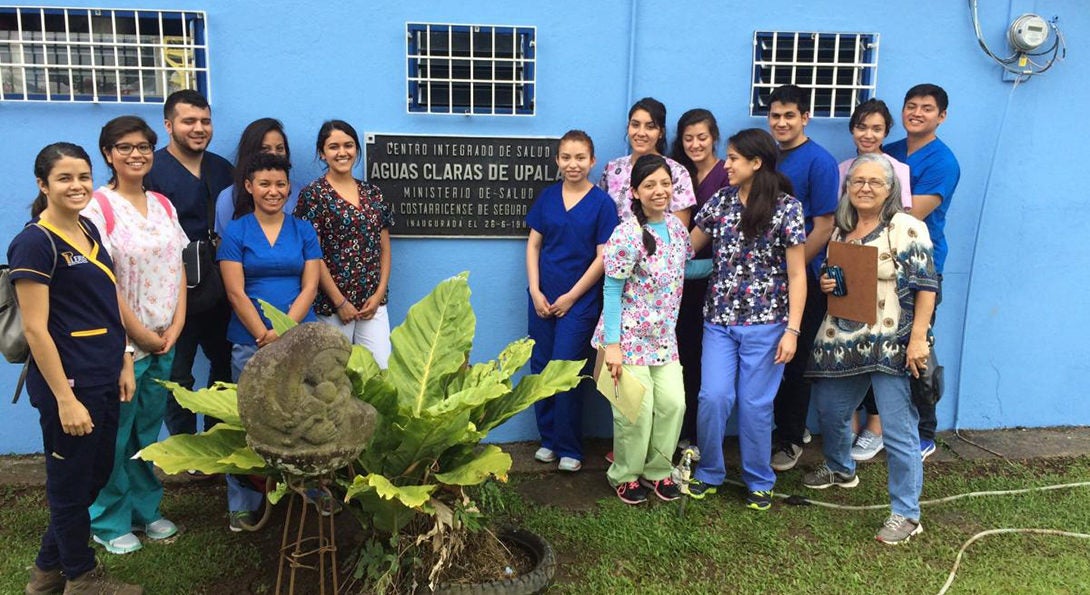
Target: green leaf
[[411, 496], [362, 367], [416, 445], [492, 461], [205, 452], [281, 322], [278, 492], [514, 356], [432, 344], [382, 396], [220, 401], [245, 458], [558, 376], [469, 398]]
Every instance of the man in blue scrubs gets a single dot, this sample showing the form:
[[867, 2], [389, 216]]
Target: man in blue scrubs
[[191, 176], [815, 175], [934, 173]]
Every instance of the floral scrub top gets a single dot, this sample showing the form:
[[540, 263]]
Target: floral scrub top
[[147, 255], [617, 179], [350, 238], [748, 283], [905, 266], [652, 291]]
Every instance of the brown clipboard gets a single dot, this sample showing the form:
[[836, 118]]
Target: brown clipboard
[[860, 266]]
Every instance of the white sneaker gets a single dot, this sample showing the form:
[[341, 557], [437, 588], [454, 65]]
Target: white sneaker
[[125, 544], [545, 455], [867, 444], [160, 529], [806, 436], [569, 464]]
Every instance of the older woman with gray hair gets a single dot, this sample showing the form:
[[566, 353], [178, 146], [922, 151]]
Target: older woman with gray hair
[[849, 356]]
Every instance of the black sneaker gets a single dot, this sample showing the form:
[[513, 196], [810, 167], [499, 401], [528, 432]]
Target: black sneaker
[[786, 456], [824, 477], [759, 500], [699, 489], [240, 520], [632, 492], [665, 489]]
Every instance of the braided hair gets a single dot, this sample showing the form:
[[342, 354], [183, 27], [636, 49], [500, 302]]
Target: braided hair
[[645, 166]]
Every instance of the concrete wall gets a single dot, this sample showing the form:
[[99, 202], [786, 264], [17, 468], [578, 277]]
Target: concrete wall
[[1013, 311]]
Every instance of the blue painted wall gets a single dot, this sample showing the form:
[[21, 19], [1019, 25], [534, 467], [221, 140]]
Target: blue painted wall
[[1015, 307]]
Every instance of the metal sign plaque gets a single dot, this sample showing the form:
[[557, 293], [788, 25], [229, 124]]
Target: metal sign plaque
[[442, 186]]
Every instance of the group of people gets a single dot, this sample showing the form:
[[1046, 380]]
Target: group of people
[[113, 299], [702, 278]]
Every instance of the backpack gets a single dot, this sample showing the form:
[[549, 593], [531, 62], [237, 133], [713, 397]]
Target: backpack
[[12, 339], [108, 209]]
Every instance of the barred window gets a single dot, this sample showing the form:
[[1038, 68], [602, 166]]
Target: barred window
[[471, 69], [839, 69], [99, 54]]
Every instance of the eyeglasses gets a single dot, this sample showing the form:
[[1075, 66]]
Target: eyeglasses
[[126, 148], [858, 183]]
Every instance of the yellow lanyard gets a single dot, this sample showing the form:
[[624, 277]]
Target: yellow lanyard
[[92, 257]]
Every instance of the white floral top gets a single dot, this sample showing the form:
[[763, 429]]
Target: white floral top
[[617, 179], [147, 255], [652, 291]]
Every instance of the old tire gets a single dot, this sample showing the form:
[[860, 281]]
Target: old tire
[[535, 581]]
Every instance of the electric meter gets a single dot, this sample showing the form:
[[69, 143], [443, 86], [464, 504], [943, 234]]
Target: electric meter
[[1028, 32]]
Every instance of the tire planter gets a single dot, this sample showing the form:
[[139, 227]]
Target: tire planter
[[535, 581]]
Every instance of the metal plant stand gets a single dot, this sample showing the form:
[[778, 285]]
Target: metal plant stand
[[300, 551]]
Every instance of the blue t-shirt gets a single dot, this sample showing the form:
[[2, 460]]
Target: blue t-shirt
[[225, 206], [569, 242], [815, 175], [84, 319], [190, 195], [933, 169], [273, 273]]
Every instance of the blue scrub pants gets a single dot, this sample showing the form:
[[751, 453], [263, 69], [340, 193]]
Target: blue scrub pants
[[560, 417], [241, 495], [133, 493], [837, 398], [76, 468], [738, 366]]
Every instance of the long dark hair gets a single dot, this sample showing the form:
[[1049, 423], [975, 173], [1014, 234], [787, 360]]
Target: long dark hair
[[259, 162], [327, 129], [249, 144], [43, 166], [645, 166], [657, 111], [677, 149], [117, 128], [767, 184]]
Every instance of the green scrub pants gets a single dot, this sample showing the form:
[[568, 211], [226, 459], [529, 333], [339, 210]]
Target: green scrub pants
[[645, 448]]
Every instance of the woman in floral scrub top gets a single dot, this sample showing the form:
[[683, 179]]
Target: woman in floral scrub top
[[647, 136], [644, 266], [353, 225], [752, 311]]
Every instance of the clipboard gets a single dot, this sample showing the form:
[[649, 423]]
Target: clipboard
[[626, 394], [860, 266]]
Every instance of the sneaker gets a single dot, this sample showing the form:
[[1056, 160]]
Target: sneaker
[[632, 492], [824, 477], [160, 529], [124, 544], [786, 457], [44, 582], [609, 457], [666, 489], [897, 530], [97, 582], [699, 489], [806, 436], [569, 464], [238, 520], [867, 444], [927, 448], [544, 455], [759, 500]]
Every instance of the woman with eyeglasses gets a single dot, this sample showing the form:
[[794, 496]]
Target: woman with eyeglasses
[[141, 232], [870, 125], [848, 357]]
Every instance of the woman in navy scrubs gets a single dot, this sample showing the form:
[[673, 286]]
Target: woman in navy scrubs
[[570, 223], [80, 364]]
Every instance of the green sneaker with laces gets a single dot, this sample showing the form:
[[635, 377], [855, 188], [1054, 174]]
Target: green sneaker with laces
[[699, 489], [759, 500]]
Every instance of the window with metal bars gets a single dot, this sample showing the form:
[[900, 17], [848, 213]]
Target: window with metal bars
[[471, 69], [99, 54], [839, 69]]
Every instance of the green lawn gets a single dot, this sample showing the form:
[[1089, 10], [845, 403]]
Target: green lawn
[[717, 547]]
